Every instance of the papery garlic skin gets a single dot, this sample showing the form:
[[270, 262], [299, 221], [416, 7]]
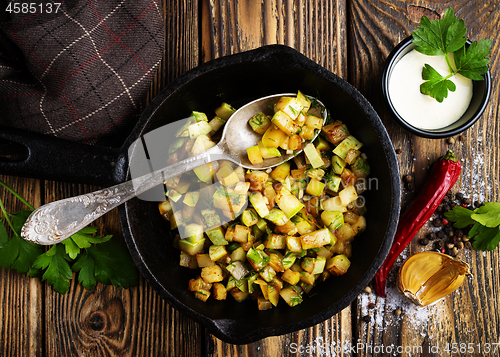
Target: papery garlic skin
[[427, 277]]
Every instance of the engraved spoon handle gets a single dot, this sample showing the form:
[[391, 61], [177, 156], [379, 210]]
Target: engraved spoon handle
[[56, 221]]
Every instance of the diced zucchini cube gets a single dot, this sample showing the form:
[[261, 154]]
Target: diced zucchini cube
[[219, 291], [217, 252], [294, 244], [273, 138], [308, 264], [190, 247], [316, 239], [277, 217], [260, 123], [188, 261], [241, 233], [211, 218], [255, 155], [313, 156], [303, 101], [268, 153], [227, 176], [238, 254], [204, 260], [332, 219], [249, 217], [319, 265], [338, 165], [333, 183], [216, 236], [191, 198], [212, 274], [291, 277], [199, 116], [268, 273], [347, 195], [290, 106], [348, 143], [315, 187], [288, 260], [199, 128], [225, 111], [263, 303], [275, 241], [291, 296], [285, 122], [257, 258], [307, 277], [237, 270], [288, 203], [338, 264], [216, 123]]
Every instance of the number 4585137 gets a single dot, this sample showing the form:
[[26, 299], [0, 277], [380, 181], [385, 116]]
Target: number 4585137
[[31, 8]]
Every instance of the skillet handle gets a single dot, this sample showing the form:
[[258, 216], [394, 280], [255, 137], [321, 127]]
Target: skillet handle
[[57, 159]]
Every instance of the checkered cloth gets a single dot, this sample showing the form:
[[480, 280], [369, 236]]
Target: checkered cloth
[[81, 73]]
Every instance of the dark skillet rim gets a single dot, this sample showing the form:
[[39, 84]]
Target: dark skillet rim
[[221, 328], [420, 132]]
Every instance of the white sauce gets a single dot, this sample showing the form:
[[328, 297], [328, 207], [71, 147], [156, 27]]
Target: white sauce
[[423, 111]]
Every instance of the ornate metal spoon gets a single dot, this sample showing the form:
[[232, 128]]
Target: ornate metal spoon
[[56, 221]]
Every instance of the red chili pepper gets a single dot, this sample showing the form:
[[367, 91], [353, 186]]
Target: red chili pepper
[[444, 174]]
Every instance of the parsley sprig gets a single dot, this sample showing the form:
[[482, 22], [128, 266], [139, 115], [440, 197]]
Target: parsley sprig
[[484, 222], [92, 257], [447, 35]]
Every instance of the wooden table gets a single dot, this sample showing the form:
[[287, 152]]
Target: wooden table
[[351, 39]]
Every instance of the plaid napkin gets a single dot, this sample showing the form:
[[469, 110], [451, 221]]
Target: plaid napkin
[[78, 70]]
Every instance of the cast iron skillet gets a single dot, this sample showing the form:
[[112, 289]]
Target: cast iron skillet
[[236, 79]]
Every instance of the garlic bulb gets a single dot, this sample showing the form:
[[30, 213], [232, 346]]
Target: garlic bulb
[[429, 276]]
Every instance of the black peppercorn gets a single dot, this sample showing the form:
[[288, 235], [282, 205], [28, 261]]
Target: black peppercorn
[[441, 234], [367, 318], [446, 207], [424, 241], [437, 223], [459, 196], [432, 236]]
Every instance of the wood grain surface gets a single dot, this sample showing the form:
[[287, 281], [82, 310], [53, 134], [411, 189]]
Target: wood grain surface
[[352, 39]]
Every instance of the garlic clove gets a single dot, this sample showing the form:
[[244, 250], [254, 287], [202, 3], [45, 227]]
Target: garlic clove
[[429, 276]]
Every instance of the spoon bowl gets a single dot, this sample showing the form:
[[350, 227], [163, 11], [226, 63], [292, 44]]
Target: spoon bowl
[[57, 221], [238, 135]]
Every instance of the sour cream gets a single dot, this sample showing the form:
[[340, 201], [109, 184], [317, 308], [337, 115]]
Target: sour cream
[[423, 111]]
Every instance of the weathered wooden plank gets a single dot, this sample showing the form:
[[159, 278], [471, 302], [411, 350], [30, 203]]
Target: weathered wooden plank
[[135, 322], [468, 316], [21, 297], [316, 29]]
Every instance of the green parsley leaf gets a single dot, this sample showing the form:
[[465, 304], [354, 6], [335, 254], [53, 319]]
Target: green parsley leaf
[[441, 37], [486, 238], [438, 37], [18, 220], [109, 263], [4, 238], [461, 216], [435, 84], [58, 272], [83, 239], [471, 62], [488, 215], [85, 266], [19, 254]]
